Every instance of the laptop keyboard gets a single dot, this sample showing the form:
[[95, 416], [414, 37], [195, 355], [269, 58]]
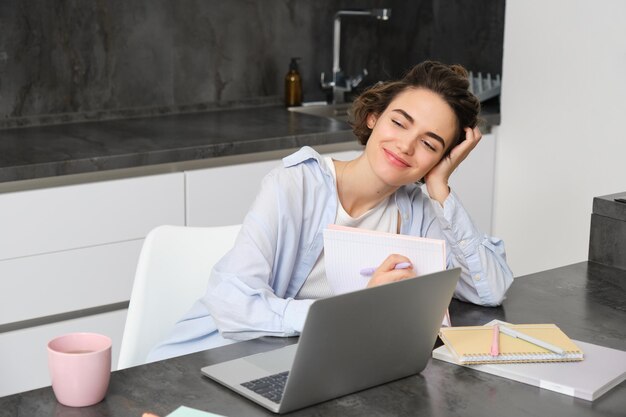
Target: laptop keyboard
[[270, 387]]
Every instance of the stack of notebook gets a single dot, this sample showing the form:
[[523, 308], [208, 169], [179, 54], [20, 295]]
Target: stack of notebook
[[602, 368], [473, 344]]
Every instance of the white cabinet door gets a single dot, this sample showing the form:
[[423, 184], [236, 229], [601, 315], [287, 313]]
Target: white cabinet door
[[223, 195], [75, 216], [54, 283]]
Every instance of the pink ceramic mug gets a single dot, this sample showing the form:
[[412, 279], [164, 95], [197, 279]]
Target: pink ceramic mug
[[80, 368]]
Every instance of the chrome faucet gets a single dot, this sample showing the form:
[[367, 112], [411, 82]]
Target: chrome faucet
[[340, 82]]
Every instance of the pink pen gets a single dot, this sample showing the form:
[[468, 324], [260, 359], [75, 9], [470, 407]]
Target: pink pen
[[495, 341]]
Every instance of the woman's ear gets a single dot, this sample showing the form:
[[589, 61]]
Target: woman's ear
[[371, 120]]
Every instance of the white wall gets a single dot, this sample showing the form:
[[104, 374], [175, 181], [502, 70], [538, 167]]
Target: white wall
[[562, 139]]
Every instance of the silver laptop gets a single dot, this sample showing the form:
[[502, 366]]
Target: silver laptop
[[349, 342]]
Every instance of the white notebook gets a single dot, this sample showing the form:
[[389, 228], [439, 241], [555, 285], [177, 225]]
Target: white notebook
[[348, 250], [602, 369]]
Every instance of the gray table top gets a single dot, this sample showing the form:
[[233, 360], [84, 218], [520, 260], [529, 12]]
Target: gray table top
[[587, 300]]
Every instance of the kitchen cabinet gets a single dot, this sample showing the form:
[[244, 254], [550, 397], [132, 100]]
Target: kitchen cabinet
[[76, 216], [222, 196], [67, 249], [69, 280]]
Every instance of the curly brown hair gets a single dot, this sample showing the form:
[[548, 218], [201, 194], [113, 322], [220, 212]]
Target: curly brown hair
[[450, 82]]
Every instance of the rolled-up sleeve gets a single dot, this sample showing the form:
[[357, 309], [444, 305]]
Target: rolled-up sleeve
[[485, 275], [243, 296]]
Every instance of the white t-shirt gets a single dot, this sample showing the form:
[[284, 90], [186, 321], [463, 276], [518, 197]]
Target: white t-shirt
[[383, 217]]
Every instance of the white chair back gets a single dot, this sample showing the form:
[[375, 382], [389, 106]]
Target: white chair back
[[172, 273]]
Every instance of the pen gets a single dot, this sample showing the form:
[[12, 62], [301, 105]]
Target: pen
[[370, 271], [530, 339], [495, 341]]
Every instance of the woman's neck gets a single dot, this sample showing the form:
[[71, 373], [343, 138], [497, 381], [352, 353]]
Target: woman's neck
[[358, 188]]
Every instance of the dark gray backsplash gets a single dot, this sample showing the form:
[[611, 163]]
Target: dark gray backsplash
[[78, 56]]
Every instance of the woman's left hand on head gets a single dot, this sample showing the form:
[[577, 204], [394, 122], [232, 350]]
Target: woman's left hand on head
[[437, 178]]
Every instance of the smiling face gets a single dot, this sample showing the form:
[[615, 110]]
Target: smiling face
[[410, 137]]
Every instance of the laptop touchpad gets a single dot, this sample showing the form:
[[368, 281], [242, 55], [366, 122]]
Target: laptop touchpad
[[274, 361]]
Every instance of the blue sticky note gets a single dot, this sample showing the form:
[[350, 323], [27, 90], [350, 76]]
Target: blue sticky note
[[183, 411]]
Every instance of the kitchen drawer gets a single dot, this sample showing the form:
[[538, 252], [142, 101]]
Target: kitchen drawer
[[74, 216], [23, 354], [42, 285], [222, 196]]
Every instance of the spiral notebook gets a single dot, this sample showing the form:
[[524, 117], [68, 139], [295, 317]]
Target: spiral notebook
[[472, 344]]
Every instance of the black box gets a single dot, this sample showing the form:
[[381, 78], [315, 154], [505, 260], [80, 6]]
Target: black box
[[607, 239]]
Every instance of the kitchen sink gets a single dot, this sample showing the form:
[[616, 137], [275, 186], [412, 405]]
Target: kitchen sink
[[332, 111]]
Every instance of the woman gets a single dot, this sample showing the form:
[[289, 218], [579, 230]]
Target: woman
[[417, 129]]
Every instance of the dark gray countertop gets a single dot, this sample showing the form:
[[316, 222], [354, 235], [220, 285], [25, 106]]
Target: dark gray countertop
[[88, 147], [45, 151], [586, 300]]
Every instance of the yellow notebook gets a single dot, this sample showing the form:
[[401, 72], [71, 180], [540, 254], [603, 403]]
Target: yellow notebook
[[472, 344]]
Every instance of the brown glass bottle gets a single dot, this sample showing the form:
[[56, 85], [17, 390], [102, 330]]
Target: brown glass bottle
[[293, 85]]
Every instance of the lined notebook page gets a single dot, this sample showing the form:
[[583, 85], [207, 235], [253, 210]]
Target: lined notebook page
[[347, 250]]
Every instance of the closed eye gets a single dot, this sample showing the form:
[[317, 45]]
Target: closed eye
[[397, 123], [428, 145]]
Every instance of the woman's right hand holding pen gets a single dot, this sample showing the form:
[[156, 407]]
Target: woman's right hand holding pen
[[388, 272]]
